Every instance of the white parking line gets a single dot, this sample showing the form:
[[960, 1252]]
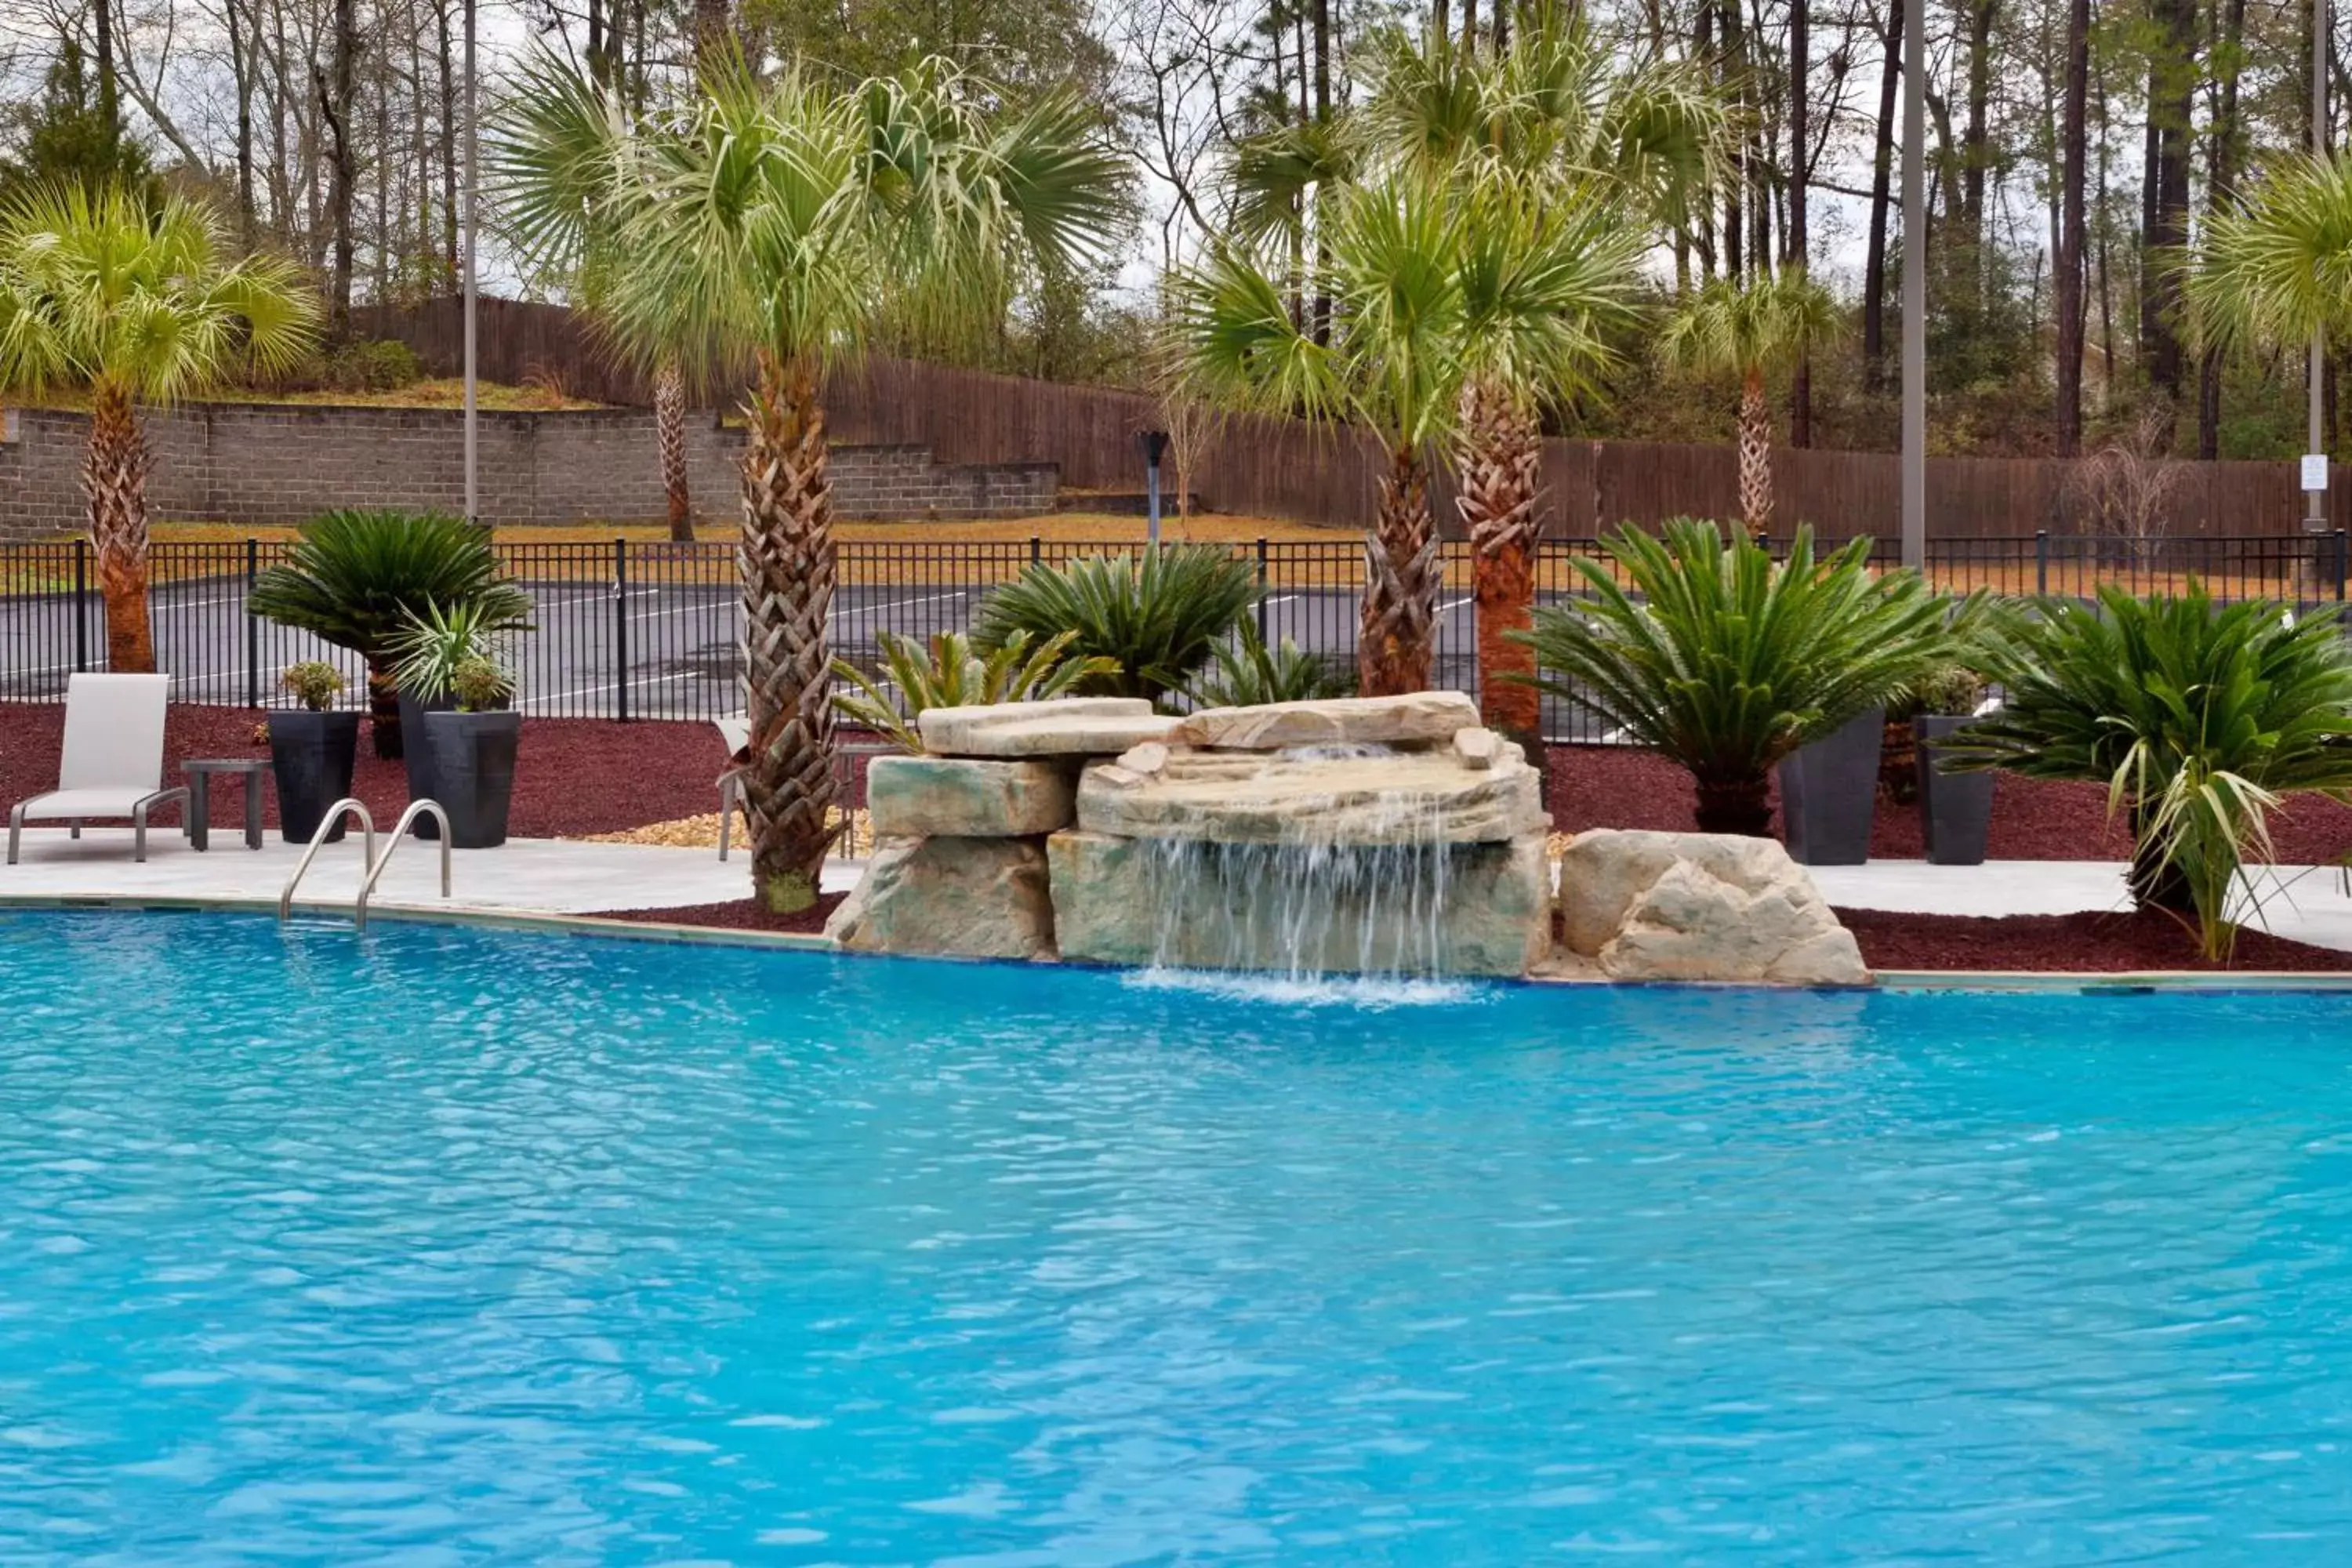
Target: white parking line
[[903, 603]]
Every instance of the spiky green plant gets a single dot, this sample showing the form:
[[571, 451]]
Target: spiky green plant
[[2276, 268], [1723, 661], [948, 673], [354, 579], [2199, 719], [1244, 672], [454, 650], [1156, 616]]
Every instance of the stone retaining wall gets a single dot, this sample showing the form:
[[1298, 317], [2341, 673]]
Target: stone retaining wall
[[266, 463]]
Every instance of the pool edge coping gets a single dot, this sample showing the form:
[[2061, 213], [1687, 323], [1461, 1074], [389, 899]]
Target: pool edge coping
[[555, 924]]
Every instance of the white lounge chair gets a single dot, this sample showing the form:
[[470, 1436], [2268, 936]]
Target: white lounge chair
[[736, 734], [113, 761]]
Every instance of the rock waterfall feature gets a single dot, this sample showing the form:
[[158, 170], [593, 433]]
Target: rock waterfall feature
[[1388, 837]]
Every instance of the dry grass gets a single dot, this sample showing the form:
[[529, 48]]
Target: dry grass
[[447, 393]]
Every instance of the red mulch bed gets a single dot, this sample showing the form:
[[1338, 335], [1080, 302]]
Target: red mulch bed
[[2032, 819], [2101, 943], [739, 915], [572, 775]]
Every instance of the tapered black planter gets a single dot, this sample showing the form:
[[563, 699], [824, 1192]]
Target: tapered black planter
[[1955, 808], [1829, 791], [310, 757], [473, 774], [416, 754]]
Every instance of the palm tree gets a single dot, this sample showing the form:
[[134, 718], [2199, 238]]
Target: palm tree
[[2278, 268], [131, 295], [805, 221], [1753, 329], [1431, 277], [560, 160]]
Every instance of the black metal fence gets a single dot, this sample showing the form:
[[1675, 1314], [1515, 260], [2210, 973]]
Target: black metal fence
[[636, 629]]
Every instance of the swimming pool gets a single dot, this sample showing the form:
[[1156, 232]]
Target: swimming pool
[[449, 1244]]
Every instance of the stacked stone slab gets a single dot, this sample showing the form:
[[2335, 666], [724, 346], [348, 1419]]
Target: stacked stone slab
[[959, 866]]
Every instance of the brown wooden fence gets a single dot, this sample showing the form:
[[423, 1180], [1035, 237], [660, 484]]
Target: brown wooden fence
[[1281, 468]]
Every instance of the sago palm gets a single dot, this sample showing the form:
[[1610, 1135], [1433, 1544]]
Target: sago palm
[[803, 222], [947, 672], [2199, 719], [564, 176], [1153, 618], [1753, 330], [1725, 662], [135, 299]]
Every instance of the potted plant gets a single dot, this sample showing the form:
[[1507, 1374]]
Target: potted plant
[[311, 751], [450, 655], [1955, 808], [1829, 791]]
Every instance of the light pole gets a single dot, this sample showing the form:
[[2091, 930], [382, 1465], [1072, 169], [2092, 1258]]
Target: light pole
[[1915, 284], [473, 491], [1154, 443]]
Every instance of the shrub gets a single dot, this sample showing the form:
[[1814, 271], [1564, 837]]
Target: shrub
[[355, 578], [1948, 688], [451, 650], [950, 675], [1157, 616], [1724, 662], [315, 684], [1245, 673], [2198, 720]]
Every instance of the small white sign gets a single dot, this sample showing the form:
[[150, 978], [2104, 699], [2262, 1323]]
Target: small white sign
[[2315, 471]]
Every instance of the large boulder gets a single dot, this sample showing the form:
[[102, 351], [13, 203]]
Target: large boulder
[[1700, 906], [1269, 907], [1064, 727], [971, 798], [949, 897], [1231, 797], [1426, 717]]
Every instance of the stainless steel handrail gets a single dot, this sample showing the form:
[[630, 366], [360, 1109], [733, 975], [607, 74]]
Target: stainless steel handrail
[[375, 868], [327, 824]]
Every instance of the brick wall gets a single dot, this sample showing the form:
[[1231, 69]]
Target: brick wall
[[261, 463]]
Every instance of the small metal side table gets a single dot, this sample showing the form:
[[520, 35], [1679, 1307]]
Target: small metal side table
[[200, 772]]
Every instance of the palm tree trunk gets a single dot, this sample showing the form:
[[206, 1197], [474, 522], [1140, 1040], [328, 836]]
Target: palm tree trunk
[[114, 477], [1755, 454], [1400, 576], [1740, 805], [787, 563], [669, 433], [1501, 464], [384, 709]]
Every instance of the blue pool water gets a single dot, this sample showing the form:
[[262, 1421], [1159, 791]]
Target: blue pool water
[[454, 1247]]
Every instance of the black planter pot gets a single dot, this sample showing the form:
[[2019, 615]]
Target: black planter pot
[[473, 770], [416, 754], [1955, 808], [1829, 791], [310, 758]]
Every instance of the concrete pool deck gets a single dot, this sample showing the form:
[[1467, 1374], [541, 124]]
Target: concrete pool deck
[[524, 875], [571, 877]]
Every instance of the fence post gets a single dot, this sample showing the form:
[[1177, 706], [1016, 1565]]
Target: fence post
[[621, 625], [2041, 562], [82, 606], [2340, 544], [1261, 588], [252, 625], [1037, 549]]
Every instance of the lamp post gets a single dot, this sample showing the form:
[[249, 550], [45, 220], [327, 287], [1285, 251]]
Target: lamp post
[[1154, 443], [1915, 284], [2315, 461]]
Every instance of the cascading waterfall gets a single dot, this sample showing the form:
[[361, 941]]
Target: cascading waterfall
[[1310, 905]]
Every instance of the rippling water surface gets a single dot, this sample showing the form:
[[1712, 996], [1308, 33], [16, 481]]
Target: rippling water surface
[[454, 1247]]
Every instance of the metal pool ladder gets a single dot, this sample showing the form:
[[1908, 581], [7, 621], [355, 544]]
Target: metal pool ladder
[[376, 863]]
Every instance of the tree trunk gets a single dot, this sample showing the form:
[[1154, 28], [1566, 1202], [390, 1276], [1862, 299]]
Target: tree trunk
[[1799, 251], [2220, 186], [2068, 273], [1873, 285], [787, 563], [1731, 74], [669, 432], [114, 477], [383, 709], [1400, 578], [1501, 464], [1740, 805], [2172, 80], [241, 73], [1755, 454], [335, 87], [448, 142], [714, 35], [102, 13]]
